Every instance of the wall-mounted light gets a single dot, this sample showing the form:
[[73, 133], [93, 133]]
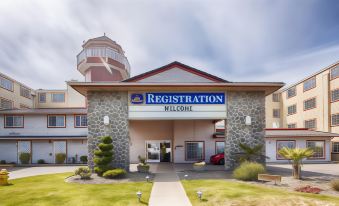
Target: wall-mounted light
[[106, 120], [248, 120]]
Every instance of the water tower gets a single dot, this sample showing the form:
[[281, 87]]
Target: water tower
[[103, 60]]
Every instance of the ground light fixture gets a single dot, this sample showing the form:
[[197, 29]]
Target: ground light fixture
[[147, 178], [185, 176], [199, 193], [139, 194]]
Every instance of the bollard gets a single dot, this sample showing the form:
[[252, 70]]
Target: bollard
[[4, 177]]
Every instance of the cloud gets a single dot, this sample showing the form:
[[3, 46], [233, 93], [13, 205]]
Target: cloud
[[237, 40]]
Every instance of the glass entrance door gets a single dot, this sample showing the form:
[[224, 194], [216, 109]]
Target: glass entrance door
[[153, 151], [158, 151]]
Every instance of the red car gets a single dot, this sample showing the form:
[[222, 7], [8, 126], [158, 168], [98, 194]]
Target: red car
[[218, 159]]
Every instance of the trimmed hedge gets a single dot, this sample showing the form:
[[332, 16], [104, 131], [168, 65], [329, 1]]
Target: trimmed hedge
[[24, 157], [41, 161], [103, 156], [60, 158], [84, 173], [83, 159], [115, 173], [248, 171]]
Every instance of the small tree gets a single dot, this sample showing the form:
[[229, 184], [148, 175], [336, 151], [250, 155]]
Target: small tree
[[296, 155], [251, 154], [103, 156]]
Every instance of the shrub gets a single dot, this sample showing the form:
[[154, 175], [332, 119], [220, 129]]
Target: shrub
[[24, 157], [308, 189], [103, 156], [142, 160], [115, 173], [84, 173], [3, 162], [41, 161], [60, 158], [248, 171], [335, 184], [83, 159]]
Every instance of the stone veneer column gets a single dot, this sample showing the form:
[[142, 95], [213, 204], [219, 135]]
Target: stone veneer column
[[115, 106], [240, 105]]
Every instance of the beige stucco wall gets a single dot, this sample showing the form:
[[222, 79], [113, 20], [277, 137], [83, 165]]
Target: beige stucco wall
[[270, 106], [72, 99], [178, 131], [15, 96]]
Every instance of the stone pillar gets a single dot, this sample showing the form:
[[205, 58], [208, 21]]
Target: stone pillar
[[115, 106], [240, 105]]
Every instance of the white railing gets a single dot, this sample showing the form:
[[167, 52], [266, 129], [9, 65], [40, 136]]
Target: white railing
[[103, 52]]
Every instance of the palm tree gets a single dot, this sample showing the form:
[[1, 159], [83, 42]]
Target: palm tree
[[296, 155], [251, 153]]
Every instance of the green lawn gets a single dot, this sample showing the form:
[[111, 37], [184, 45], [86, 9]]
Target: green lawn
[[221, 192], [52, 190]]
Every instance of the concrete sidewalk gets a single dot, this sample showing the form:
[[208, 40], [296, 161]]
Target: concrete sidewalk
[[19, 172], [167, 189]]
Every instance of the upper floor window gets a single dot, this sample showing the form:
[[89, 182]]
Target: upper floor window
[[276, 113], [309, 84], [56, 121], [42, 97], [14, 121], [335, 119], [6, 104], [276, 97], [291, 126], [58, 97], [311, 124], [292, 109], [81, 120], [334, 95], [335, 72], [6, 83], [25, 92], [309, 104], [22, 106], [335, 147], [291, 92]]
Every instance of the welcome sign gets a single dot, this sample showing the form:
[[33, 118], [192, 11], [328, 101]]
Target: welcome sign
[[177, 105], [185, 98]]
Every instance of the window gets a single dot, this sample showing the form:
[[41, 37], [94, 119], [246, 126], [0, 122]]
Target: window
[[284, 143], [14, 121], [276, 113], [335, 147], [335, 72], [22, 106], [25, 92], [276, 97], [219, 147], [310, 104], [6, 83], [56, 121], [6, 104], [81, 120], [309, 84], [311, 124], [291, 126], [318, 148], [58, 97], [292, 109], [42, 97], [194, 151], [291, 92], [334, 95], [335, 119]]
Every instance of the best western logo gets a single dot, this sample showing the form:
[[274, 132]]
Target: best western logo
[[137, 98]]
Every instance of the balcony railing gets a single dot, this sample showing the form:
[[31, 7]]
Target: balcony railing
[[103, 52]]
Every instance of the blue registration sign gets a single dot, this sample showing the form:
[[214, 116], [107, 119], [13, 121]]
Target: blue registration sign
[[185, 98]]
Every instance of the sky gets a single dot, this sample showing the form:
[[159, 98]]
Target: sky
[[261, 41]]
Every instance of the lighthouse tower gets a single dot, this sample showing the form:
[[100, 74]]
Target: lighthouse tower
[[103, 60]]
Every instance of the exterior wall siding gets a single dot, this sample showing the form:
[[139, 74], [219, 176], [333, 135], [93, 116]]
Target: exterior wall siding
[[114, 105], [240, 105]]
